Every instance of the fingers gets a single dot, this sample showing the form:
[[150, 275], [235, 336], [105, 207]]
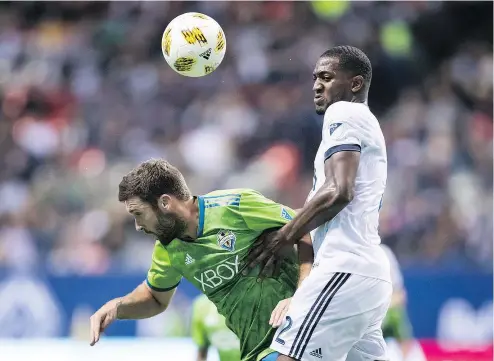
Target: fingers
[[106, 322], [280, 317], [257, 248], [274, 315], [279, 313], [252, 259], [277, 268], [267, 267], [98, 324], [257, 256], [95, 329]]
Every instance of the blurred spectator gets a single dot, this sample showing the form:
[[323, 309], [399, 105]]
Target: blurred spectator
[[85, 95]]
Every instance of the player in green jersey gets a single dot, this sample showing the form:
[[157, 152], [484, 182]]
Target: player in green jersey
[[396, 325], [209, 329], [205, 239]]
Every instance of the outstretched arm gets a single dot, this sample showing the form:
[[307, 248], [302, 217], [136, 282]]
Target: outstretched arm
[[143, 302], [334, 195]]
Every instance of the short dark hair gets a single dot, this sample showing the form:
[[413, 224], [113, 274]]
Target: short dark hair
[[351, 59], [150, 179]]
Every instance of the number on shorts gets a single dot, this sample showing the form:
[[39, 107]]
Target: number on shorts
[[288, 325]]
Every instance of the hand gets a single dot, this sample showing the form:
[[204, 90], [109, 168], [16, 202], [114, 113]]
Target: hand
[[102, 319], [266, 252], [279, 313]]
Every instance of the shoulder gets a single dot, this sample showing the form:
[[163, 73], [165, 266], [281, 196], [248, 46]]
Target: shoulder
[[231, 195], [160, 252], [227, 192], [346, 112]]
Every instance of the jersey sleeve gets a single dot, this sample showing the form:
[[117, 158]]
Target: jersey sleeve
[[162, 276], [340, 131], [198, 330], [261, 213]]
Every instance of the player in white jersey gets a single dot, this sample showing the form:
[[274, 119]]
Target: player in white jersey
[[337, 312]]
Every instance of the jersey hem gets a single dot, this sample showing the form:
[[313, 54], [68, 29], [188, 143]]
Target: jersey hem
[[265, 353], [159, 289], [276, 347], [363, 274]]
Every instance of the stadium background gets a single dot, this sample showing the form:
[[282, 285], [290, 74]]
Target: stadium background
[[85, 95]]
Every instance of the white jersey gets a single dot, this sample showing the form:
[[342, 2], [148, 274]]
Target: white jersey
[[395, 271], [350, 241]]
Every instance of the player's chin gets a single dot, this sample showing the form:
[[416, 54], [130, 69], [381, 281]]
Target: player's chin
[[321, 109]]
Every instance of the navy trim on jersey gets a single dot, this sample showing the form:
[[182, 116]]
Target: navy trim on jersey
[[341, 148], [200, 227], [314, 315], [158, 289]]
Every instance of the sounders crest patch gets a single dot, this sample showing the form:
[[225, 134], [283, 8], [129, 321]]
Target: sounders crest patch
[[285, 214], [226, 240]]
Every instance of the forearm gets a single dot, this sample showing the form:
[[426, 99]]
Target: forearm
[[305, 257], [323, 207], [138, 304]]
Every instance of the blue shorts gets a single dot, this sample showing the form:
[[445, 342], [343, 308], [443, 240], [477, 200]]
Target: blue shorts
[[271, 357]]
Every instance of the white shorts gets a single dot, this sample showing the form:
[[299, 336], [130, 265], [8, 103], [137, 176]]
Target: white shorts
[[335, 317]]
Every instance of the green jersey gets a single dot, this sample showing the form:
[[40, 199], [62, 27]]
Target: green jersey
[[229, 223], [396, 324], [209, 329]]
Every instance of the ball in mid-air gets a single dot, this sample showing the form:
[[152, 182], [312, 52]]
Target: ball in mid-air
[[193, 44]]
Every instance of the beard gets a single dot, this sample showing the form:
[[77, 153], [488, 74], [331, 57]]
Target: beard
[[169, 227], [336, 95]]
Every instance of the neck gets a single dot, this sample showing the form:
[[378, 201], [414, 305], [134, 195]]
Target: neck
[[192, 218], [358, 98]]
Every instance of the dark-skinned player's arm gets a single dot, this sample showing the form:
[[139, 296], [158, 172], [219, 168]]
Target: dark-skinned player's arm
[[142, 302], [305, 254], [335, 194]]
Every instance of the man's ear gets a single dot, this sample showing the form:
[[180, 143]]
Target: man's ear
[[357, 83], [164, 202]]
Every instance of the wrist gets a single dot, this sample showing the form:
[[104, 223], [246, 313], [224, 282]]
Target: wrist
[[117, 307], [285, 235]]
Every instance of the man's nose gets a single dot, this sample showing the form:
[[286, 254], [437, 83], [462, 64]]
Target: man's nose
[[138, 227], [317, 86]]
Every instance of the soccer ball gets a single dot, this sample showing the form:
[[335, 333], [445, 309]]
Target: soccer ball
[[193, 44]]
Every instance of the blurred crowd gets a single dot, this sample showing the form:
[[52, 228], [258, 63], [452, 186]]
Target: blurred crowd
[[85, 95]]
